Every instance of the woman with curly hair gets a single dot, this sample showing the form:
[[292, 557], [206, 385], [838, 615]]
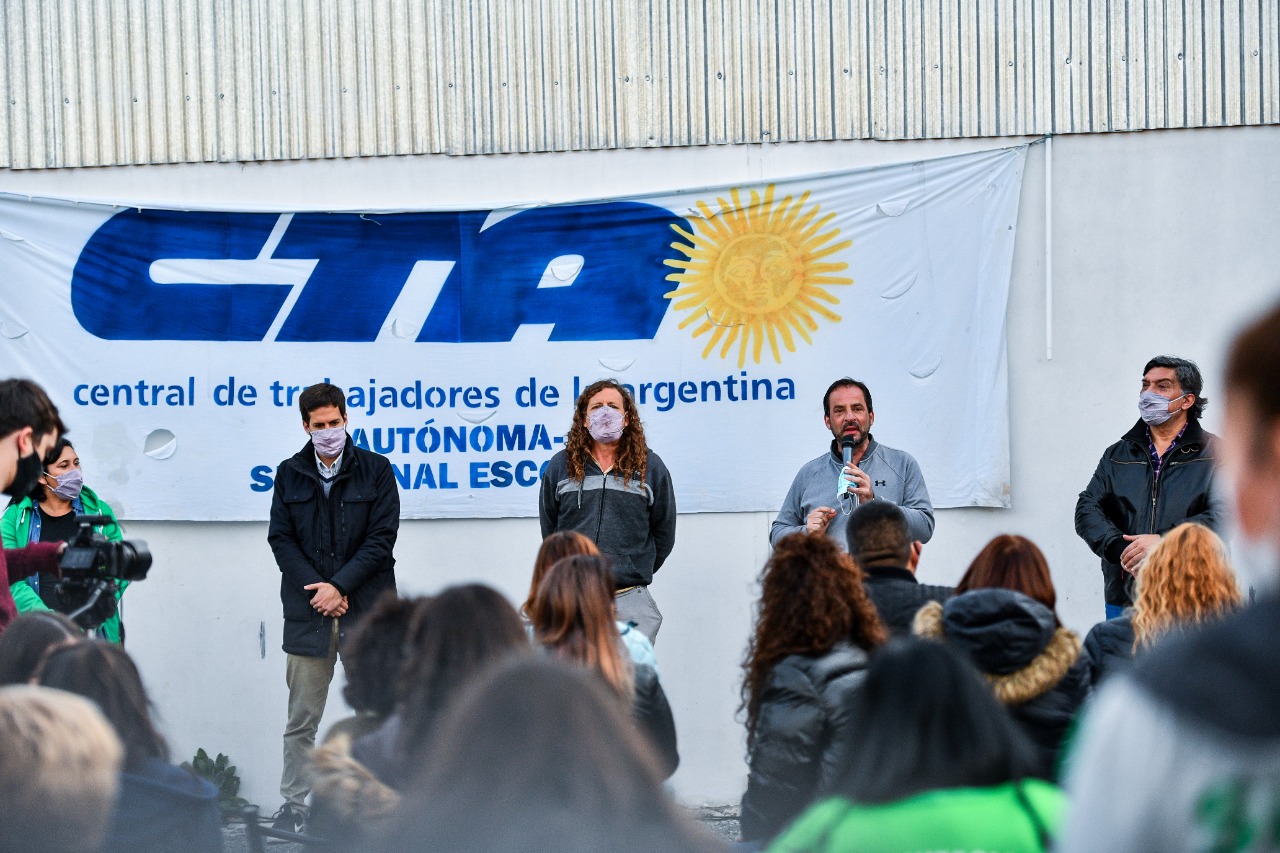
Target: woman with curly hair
[[805, 662], [609, 486], [574, 619], [1185, 580], [1003, 618]]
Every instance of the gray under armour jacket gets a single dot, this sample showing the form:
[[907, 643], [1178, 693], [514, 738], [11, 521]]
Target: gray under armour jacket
[[895, 477]]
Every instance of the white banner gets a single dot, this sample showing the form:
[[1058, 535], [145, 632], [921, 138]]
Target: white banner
[[175, 342]]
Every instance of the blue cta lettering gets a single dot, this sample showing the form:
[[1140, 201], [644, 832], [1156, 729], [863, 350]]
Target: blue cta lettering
[[114, 296], [350, 269]]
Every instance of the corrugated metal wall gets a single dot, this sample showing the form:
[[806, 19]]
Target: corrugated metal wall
[[103, 82]]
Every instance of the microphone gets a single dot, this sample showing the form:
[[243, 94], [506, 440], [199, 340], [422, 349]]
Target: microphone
[[846, 452]]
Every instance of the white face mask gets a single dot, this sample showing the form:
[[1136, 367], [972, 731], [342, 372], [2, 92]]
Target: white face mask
[[329, 442], [1153, 408], [605, 424]]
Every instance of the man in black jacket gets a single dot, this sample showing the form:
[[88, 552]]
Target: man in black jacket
[[880, 544], [1157, 476], [334, 516], [1182, 753]]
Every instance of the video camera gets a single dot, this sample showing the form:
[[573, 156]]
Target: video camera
[[92, 565]]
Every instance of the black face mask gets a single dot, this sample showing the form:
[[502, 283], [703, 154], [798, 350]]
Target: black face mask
[[26, 478]]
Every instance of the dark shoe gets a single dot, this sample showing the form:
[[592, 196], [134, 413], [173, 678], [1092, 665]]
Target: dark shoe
[[290, 818]]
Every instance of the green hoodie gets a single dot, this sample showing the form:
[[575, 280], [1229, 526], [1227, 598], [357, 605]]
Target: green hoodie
[[956, 820], [15, 532]]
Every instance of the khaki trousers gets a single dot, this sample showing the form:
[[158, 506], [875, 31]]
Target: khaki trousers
[[308, 679]]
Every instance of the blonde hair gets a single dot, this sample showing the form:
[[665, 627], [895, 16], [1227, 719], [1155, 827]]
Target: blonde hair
[[1186, 579], [59, 768]]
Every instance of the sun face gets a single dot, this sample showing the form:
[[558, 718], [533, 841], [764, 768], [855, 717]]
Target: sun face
[[755, 273]]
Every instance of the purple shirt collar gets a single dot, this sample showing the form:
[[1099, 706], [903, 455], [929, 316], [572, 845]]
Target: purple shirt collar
[[1157, 461]]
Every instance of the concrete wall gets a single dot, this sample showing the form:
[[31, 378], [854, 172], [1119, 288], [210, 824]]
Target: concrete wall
[[1162, 241]]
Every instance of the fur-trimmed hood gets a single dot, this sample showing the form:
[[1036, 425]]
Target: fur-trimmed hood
[[1013, 640], [350, 792]]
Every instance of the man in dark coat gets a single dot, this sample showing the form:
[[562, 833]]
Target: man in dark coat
[[334, 516], [1182, 752], [1157, 476], [880, 544]]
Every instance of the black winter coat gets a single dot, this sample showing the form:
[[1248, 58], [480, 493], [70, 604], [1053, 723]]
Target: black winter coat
[[345, 539], [1109, 647], [802, 737], [1124, 498], [652, 713], [898, 596], [1034, 666]]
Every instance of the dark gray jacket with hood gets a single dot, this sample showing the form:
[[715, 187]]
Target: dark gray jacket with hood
[[633, 522]]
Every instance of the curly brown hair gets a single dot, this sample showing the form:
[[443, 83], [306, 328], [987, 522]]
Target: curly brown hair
[[1185, 579], [811, 597], [632, 449]]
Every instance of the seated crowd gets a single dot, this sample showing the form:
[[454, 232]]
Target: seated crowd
[[480, 727], [880, 714]]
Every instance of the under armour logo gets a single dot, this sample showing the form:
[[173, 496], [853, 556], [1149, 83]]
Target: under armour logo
[[882, 482]]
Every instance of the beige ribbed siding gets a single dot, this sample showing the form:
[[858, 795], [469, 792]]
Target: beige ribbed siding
[[107, 82]]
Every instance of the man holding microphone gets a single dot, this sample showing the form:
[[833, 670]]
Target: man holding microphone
[[855, 469]]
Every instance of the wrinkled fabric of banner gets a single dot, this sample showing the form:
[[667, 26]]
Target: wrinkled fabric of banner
[[175, 342]]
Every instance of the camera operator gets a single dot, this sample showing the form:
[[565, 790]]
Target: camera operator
[[29, 426], [52, 518]]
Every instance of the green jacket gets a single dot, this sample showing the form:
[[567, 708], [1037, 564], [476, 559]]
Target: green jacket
[[15, 532], [991, 819]]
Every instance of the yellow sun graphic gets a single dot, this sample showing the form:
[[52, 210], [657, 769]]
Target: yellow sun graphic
[[755, 273]]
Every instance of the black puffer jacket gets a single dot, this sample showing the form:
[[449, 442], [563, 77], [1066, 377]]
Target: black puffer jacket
[[801, 742], [1033, 665], [345, 539], [1124, 498], [898, 596], [652, 713], [1109, 647]]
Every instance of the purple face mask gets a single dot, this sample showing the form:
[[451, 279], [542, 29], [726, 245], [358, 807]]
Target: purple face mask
[[329, 442], [70, 485], [605, 424]]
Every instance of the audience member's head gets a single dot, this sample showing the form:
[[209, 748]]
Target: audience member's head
[[454, 636], [877, 535], [1186, 579], [573, 615], [28, 639], [557, 546], [1011, 562], [375, 653], [536, 755], [811, 597], [924, 721], [59, 771], [29, 424], [1251, 439], [106, 674]]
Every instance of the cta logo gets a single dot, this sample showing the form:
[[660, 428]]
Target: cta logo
[[593, 272]]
